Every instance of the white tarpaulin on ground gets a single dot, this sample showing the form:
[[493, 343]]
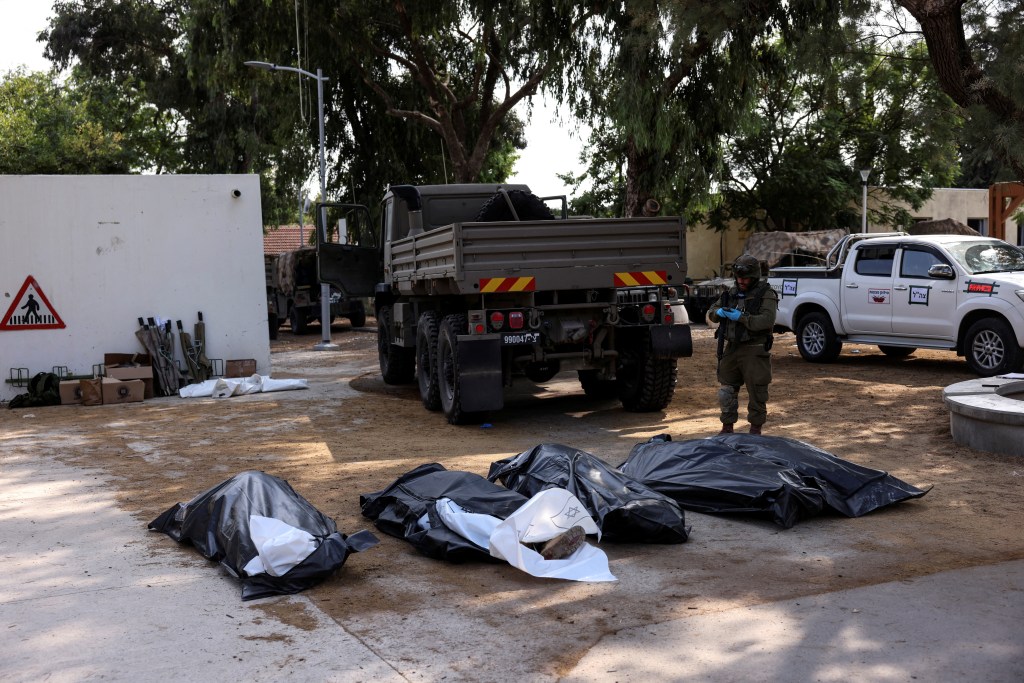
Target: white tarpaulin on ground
[[547, 514], [223, 387]]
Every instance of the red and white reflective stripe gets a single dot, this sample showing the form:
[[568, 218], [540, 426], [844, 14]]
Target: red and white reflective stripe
[[639, 279], [490, 285]]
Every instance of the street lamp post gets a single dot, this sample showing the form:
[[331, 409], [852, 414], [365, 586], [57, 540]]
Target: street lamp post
[[325, 289], [864, 210]]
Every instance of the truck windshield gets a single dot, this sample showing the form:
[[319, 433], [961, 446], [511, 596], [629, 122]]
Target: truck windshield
[[988, 257]]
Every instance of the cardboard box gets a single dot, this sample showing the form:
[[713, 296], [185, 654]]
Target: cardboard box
[[122, 391], [92, 391], [125, 366], [70, 392], [240, 367]]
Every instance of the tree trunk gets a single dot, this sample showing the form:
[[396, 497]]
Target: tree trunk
[[959, 75], [641, 168]]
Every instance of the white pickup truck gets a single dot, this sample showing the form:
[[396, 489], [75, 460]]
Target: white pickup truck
[[901, 292]]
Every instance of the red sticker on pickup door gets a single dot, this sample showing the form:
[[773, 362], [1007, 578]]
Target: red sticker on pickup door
[[878, 296]]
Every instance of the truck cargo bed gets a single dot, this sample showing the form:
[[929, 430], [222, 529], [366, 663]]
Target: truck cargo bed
[[559, 254]]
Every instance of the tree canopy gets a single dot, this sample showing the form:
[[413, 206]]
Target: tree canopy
[[977, 54], [761, 111], [76, 126], [794, 161]]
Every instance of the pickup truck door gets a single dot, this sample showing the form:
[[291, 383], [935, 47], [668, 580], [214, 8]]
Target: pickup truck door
[[867, 289], [922, 305], [349, 259]]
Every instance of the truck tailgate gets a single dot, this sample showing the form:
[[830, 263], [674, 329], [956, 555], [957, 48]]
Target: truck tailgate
[[560, 254]]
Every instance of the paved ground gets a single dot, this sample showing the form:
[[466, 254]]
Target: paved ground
[[81, 598], [927, 590]]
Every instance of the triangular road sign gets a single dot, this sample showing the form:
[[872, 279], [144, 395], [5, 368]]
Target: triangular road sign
[[31, 310]]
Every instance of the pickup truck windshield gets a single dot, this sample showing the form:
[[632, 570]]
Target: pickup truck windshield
[[988, 257]]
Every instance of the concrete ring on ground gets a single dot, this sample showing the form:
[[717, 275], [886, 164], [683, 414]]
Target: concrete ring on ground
[[987, 414]]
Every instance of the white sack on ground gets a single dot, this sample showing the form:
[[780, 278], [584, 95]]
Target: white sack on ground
[[547, 514], [223, 387], [280, 546]]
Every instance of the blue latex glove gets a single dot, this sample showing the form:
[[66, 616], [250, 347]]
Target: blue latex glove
[[730, 313]]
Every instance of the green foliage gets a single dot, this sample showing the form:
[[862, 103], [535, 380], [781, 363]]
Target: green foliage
[[668, 81], [978, 56], [795, 159], [991, 141], [406, 86], [78, 126]]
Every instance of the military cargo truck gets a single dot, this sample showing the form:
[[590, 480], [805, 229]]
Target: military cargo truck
[[480, 285], [293, 292]]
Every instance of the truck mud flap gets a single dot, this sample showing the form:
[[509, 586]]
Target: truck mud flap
[[671, 341], [480, 372]]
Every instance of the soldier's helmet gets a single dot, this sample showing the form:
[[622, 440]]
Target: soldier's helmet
[[746, 265]]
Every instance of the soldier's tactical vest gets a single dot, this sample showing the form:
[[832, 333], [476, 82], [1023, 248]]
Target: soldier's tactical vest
[[751, 303]]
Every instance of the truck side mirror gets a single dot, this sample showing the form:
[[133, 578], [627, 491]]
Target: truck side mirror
[[941, 271]]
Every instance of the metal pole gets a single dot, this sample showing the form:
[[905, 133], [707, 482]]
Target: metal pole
[[864, 211], [325, 289], [864, 207]]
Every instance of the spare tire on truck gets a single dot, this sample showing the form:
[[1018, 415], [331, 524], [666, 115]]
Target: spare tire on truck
[[528, 207]]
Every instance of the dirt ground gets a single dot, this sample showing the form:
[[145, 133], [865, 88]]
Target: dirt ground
[[350, 434]]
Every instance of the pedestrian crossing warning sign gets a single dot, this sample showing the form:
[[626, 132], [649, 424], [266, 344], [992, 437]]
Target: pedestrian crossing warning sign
[[31, 310]]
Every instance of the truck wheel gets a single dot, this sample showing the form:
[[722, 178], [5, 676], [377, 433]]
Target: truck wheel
[[529, 207], [816, 338], [595, 387], [896, 351], [298, 320], [396, 363], [645, 383], [426, 360], [991, 348], [448, 371], [273, 324], [358, 318]]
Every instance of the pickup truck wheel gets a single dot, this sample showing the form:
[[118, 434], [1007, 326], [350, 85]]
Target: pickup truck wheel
[[358, 318], [896, 351], [396, 363], [645, 383], [426, 360], [816, 338], [991, 348], [298, 320], [597, 388], [448, 371]]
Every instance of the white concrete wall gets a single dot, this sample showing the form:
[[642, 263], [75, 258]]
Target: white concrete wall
[[108, 249]]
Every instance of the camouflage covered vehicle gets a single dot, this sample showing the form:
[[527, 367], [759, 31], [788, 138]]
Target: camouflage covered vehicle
[[294, 293]]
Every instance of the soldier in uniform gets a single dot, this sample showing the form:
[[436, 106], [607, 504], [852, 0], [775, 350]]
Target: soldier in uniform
[[746, 316]]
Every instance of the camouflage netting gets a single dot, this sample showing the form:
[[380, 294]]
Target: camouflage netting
[[945, 226], [296, 269], [774, 248]]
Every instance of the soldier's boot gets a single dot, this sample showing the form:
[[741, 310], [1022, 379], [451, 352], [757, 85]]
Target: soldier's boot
[[563, 545], [726, 429], [755, 429]]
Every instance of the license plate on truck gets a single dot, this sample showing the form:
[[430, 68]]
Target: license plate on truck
[[517, 338]]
